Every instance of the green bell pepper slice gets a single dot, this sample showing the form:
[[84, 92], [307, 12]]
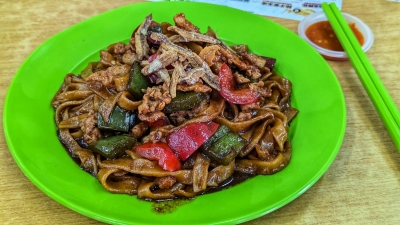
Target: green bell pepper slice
[[119, 120], [223, 146], [113, 146], [137, 81], [221, 131], [184, 101]]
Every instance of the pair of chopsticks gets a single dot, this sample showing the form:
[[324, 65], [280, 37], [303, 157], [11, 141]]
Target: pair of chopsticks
[[374, 87]]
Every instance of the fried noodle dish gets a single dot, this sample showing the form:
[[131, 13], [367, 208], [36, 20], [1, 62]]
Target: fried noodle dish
[[175, 113]]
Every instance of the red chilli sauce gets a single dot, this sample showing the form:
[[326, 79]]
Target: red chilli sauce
[[322, 34]]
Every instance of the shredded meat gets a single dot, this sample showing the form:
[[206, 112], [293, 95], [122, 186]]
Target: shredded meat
[[197, 87], [210, 78], [130, 57], [90, 132], [193, 36], [259, 87], [154, 137], [192, 76], [176, 74], [177, 38], [120, 48], [107, 58], [251, 70], [106, 76], [240, 79], [210, 54], [181, 21], [255, 59], [165, 182], [139, 129], [154, 101], [158, 135], [163, 76], [165, 59]]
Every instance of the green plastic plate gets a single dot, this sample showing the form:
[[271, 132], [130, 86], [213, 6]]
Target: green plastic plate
[[316, 134]]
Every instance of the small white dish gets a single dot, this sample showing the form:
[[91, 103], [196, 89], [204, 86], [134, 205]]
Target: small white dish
[[329, 54]]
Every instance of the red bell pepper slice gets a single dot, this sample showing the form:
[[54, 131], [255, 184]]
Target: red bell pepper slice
[[185, 141], [159, 151], [228, 91]]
